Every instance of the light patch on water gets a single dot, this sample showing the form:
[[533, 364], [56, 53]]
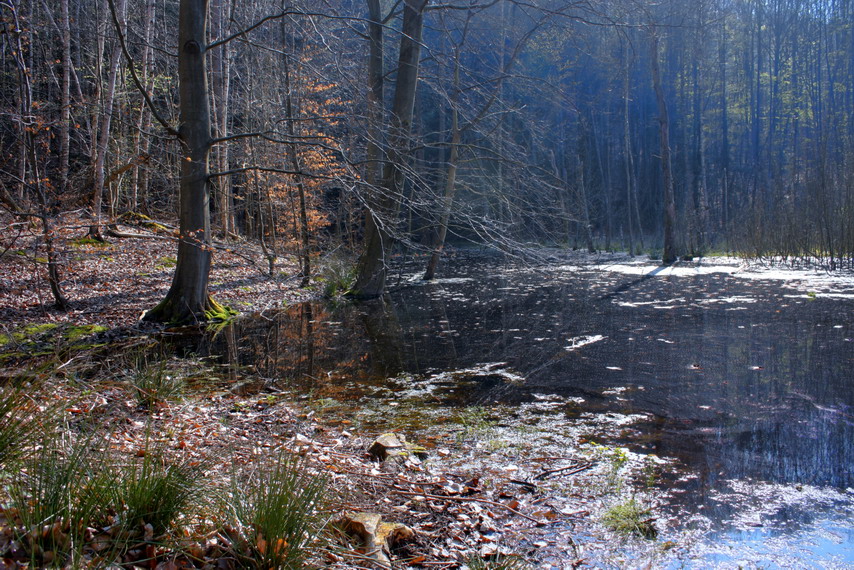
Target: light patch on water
[[728, 300], [613, 419], [837, 285], [577, 342], [418, 279], [755, 537], [821, 295], [667, 304], [487, 369]]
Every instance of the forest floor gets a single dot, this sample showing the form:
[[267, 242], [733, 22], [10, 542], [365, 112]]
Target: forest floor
[[111, 283], [455, 514]]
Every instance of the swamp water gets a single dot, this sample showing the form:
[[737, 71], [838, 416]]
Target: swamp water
[[740, 384]]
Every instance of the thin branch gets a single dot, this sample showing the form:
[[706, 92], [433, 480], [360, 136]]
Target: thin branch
[[467, 500], [268, 169], [169, 128]]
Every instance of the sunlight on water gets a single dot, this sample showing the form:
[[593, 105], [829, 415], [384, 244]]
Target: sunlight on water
[[742, 388]]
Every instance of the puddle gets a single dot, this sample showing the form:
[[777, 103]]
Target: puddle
[[737, 390]]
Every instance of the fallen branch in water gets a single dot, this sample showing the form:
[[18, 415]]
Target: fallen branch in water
[[575, 469], [468, 500]]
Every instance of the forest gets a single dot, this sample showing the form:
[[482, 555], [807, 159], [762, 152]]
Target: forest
[[672, 128], [592, 258]]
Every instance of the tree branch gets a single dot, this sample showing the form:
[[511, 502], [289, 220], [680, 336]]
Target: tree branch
[[268, 169], [169, 128]]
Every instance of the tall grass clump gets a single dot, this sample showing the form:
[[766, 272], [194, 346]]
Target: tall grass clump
[[153, 384], [277, 514], [338, 275], [630, 518], [59, 493], [155, 491], [499, 562], [22, 424]]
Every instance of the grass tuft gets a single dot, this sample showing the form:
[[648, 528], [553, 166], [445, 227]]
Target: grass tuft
[[155, 492], [277, 514], [338, 275], [22, 424], [630, 518], [153, 384], [57, 496]]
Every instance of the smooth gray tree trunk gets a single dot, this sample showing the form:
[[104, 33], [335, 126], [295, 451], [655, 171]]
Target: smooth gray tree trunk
[[382, 220], [669, 255], [188, 299]]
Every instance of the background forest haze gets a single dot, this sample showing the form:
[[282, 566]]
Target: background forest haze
[[675, 127]]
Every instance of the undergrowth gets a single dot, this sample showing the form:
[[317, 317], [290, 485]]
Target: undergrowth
[[277, 513], [630, 518]]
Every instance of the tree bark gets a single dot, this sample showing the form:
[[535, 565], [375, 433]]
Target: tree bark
[[65, 111], [187, 300], [293, 157], [104, 130], [669, 255], [143, 124], [379, 230], [373, 169]]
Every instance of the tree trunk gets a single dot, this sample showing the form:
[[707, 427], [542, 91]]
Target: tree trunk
[[65, 111], [627, 149], [375, 95], [31, 176], [450, 190], [143, 123], [293, 156], [451, 178], [379, 230], [188, 300], [104, 130], [669, 255], [221, 86]]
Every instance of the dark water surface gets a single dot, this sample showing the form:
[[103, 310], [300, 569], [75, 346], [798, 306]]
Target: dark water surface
[[748, 383]]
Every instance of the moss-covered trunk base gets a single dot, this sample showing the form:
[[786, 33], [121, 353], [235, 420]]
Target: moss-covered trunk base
[[177, 311]]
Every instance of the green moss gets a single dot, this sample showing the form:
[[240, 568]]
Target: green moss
[[89, 241], [154, 226], [167, 262], [219, 312], [630, 518], [5, 339], [33, 330], [75, 332], [143, 221]]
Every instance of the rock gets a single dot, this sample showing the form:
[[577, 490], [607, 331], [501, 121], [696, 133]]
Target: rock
[[376, 536], [388, 445], [394, 445]]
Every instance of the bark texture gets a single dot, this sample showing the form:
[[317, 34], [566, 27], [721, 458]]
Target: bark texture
[[188, 299], [381, 220]]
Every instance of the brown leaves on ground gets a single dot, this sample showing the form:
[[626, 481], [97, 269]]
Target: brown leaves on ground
[[112, 283]]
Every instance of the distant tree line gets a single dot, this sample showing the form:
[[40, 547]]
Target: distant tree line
[[674, 127]]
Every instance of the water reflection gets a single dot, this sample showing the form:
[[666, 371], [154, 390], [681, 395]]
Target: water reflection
[[736, 378]]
